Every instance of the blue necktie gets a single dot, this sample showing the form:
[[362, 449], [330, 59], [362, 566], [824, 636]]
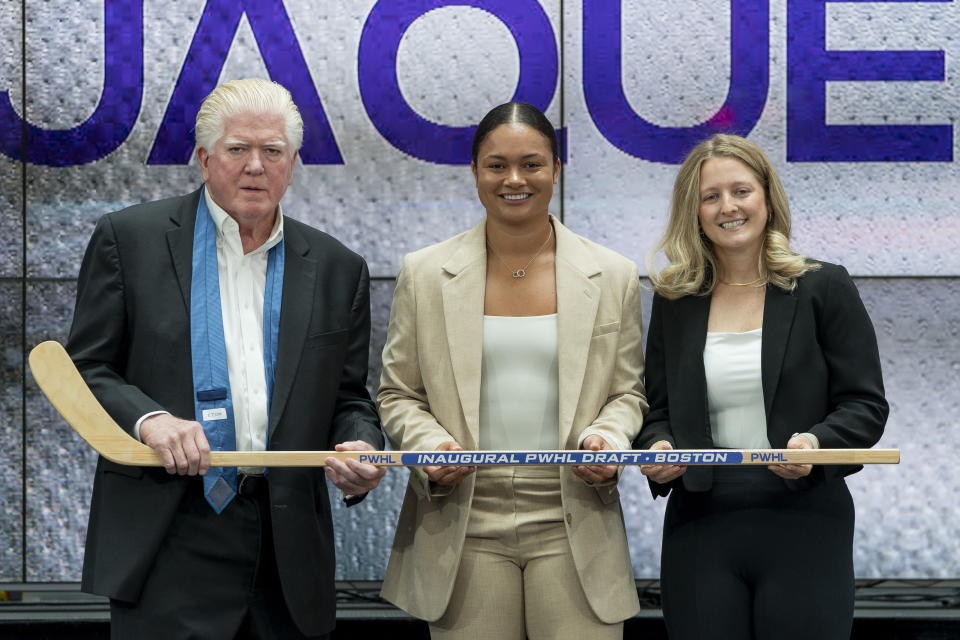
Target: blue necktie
[[211, 382]]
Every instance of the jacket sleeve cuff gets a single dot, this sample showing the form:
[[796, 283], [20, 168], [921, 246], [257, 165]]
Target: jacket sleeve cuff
[[136, 427], [611, 437]]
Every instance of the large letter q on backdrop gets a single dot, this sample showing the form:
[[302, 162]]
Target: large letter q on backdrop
[[380, 89], [616, 120]]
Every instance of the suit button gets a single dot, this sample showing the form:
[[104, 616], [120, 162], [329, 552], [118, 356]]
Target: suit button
[[569, 518]]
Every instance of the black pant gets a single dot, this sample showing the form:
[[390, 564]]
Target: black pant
[[215, 577], [752, 559]]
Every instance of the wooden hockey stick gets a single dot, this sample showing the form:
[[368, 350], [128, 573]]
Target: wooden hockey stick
[[66, 390]]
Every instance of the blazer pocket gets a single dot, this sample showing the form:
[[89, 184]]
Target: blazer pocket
[[326, 338], [603, 329]]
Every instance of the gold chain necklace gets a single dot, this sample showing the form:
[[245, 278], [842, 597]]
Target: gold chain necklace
[[522, 271], [752, 283]]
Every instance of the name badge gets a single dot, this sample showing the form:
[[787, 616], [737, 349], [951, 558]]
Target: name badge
[[214, 414]]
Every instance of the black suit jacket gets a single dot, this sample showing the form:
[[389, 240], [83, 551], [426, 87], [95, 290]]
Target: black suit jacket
[[820, 370], [131, 341]]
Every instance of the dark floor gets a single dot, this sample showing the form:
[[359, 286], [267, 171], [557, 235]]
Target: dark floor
[[886, 610], [880, 629]]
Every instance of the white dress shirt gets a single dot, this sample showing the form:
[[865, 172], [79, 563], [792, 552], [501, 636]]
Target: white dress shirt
[[242, 283]]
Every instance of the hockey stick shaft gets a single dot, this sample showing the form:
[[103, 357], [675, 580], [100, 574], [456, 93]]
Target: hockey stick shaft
[[66, 390]]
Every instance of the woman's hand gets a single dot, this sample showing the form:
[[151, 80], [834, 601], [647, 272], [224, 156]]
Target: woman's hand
[[794, 471], [595, 473], [448, 475], [662, 473]]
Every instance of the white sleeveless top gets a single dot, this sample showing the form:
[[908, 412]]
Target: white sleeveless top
[[731, 362], [519, 383]]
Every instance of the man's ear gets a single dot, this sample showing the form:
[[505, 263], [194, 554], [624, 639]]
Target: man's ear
[[202, 158]]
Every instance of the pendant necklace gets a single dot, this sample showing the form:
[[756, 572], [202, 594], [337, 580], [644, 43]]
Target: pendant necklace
[[522, 271]]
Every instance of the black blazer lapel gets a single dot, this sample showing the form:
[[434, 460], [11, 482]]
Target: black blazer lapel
[[299, 278], [689, 333], [180, 242], [778, 311]]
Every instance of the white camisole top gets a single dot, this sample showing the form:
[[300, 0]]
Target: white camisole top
[[731, 362], [519, 383]]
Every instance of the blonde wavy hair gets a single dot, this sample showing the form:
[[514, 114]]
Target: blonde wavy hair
[[692, 268]]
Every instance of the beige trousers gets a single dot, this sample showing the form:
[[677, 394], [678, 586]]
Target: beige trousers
[[517, 578]]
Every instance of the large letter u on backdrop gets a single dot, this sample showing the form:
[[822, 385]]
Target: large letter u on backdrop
[[631, 133], [115, 114]]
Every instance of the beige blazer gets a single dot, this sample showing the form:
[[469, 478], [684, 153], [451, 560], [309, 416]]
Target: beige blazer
[[430, 393]]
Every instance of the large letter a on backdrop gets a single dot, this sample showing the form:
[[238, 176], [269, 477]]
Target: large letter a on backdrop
[[201, 71]]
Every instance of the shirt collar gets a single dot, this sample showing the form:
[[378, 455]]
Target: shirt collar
[[229, 231]]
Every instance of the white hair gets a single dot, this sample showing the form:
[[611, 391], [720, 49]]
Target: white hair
[[249, 95]]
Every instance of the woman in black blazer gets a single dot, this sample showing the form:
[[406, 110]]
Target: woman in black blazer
[[754, 346]]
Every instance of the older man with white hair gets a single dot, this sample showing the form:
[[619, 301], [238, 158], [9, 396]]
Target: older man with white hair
[[213, 321]]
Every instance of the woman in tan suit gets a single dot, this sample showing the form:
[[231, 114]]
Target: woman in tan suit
[[517, 334]]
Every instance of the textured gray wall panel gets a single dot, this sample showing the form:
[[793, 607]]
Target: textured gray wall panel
[[381, 297], [64, 37], [907, 520], [11, 219], [11, 193], [11, 432], [11, 50], [60, 465]]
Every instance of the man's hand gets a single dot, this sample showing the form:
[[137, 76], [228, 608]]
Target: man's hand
[[662, 473], [448, 475], [592, 474], [182, 444], [352, 477]]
